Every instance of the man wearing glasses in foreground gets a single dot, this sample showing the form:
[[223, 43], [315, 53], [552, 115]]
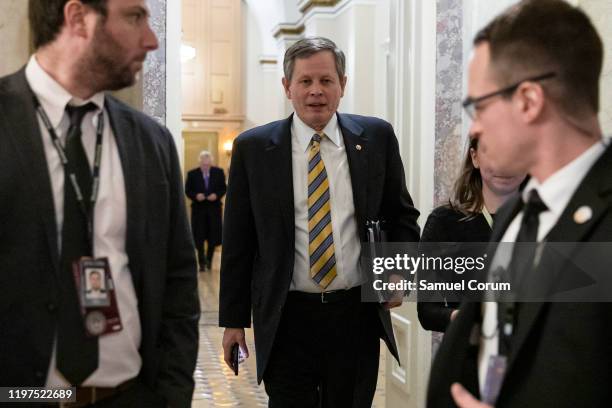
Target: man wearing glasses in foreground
[[533, 97]]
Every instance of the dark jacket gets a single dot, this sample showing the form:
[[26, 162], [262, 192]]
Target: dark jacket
[[158, 244], [561, 352], [206, 215], [447, 225], [259, 232]]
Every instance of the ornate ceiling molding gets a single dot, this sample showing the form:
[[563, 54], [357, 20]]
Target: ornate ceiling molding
[[268, 61], [305, 5], [288, 29]]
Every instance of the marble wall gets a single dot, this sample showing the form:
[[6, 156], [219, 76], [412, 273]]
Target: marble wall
[[154, 70], [14, 46], [449, 79], [457, 23], [149, 92]]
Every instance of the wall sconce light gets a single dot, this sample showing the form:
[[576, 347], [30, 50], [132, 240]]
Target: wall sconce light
[[227, 147], [187, 53]]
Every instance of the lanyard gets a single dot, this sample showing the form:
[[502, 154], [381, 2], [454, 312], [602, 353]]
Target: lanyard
[[487, 216], [85, 209]]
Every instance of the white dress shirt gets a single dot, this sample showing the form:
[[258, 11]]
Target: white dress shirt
[[119, 359], [344, 224], [555, 192]]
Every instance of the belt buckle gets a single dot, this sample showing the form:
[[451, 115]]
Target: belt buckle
[[323, 298]]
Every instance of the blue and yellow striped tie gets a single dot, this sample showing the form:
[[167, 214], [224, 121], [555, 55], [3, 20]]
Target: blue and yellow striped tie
[[321, 240]]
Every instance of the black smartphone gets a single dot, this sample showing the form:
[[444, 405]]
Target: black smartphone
[[235, 356]]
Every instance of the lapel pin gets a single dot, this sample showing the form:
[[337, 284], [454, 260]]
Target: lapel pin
[[583, 214], [358, 147]]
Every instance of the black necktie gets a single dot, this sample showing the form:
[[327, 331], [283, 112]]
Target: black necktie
[[521, 264], [523, 255], [77, 354]]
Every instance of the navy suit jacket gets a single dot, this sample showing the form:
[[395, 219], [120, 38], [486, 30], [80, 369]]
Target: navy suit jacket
[[158, 245], [259, 231]]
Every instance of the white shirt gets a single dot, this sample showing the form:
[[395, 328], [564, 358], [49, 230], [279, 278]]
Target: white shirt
[[119, 359], [344, 224], [555, 192]]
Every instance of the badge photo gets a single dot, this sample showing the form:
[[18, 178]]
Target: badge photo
[[95, 290]]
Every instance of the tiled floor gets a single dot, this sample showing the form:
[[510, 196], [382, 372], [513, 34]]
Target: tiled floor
[[216, 384]]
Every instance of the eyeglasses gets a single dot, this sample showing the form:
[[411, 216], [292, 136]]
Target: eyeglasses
[[470, 104]]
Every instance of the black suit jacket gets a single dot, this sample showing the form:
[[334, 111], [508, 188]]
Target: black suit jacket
[[259, 232], [561, 352], [446, 224], [158, 244], [195, 185], [206, 215]]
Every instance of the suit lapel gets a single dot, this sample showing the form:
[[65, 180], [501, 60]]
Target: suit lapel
[[590, 193], [504, 217], [21, 116], [132, 161], [356, 145], [278, 157]]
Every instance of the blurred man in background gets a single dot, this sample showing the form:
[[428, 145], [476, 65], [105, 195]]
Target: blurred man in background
[[205, 187]]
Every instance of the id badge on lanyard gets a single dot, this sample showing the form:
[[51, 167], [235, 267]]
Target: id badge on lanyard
[[96, 288], [92, 276]]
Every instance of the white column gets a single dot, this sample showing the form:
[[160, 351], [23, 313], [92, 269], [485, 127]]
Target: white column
[[412, 96], [351, 25]]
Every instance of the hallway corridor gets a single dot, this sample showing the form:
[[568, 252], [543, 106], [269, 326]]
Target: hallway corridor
[[215, 384]]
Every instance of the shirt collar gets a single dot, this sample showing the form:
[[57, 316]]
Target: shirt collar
[[558, 189], [51, 95], [304, 132]]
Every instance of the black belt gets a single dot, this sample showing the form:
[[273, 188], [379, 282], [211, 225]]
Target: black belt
[[86, 396], [334, 296]]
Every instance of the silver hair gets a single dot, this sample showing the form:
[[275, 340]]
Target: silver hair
[[306, 47], [206, 153]]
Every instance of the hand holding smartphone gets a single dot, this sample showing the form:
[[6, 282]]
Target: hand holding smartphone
[[235, 357]]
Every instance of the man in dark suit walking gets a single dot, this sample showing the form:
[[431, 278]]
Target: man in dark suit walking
[[534, 96], [205, 187], [89, 184], [300, 192]]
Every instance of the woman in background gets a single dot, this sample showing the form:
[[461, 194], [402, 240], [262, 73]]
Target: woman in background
[[468, 217]]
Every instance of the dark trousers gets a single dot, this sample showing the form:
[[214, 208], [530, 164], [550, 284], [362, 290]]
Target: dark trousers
[[325, 354], [210, 251], [206, 228]]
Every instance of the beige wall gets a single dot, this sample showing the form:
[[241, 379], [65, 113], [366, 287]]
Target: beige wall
[[600, 12], [14, 35]]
